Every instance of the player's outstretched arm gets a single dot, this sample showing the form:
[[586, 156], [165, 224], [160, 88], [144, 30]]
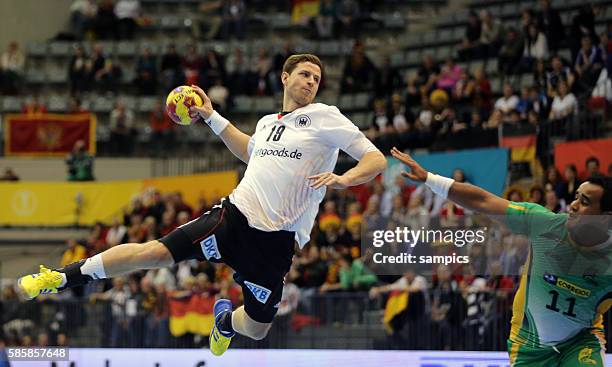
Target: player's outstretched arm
[[468, 196], [235, 140]]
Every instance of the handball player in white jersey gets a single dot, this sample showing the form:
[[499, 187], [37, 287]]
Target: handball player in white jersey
[[291, 158]]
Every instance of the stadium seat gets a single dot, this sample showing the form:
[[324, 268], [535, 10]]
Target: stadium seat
[[147, 104], [35, 76], [361, 101], [345, 102], [58, 76], [60, 49], [11, 104], [102, 104], [37, 49], [243, 104], [126, 49], [265, 105], [57, 103]]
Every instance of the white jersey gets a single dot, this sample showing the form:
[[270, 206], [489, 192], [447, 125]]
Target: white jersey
[[274, 193]]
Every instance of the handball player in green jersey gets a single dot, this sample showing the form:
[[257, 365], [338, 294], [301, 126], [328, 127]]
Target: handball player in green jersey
[[566, 285]]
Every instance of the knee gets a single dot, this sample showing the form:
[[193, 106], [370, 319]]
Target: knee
[[260, 333]]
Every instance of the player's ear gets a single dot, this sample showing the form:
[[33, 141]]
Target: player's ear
[[284, 77]]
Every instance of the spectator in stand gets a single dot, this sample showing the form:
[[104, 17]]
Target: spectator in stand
[[348, 15], [12, 62], [536, 195], [261, 71], [450, 74], [482, 92], [74, 106], [238, 69], [535, 48], [558, 72], [105, 23], [122, 130], [171, 68], [33, 107], [116, 233], [108, 78], [555, 182], [550, 22], [207, 20], [80, 163], [163, 130], [573, 182], [564, 104], [192, 64], [234, 19], [213, 70], [127, 13], [510, 53], [326, 19], [589, 63], [525, 103], [470, 43], [9, 175], [583, 25], [146, 73], [428, 74], [82, 16], [388, 79], [447, 311], [592, 167], [73, 252], [508, 102], [491, 34], [552, 202], [359, 73], [381, 124], [118, 296], [97, 60], [78, 74]]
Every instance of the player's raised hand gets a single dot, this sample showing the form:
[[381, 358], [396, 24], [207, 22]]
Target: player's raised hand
[[329, 179], [207, 109], [417, 173]]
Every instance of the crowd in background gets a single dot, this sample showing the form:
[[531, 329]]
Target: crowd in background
[[465, 305]]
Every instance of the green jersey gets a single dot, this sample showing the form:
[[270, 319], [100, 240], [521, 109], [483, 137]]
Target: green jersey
[[563, 290]]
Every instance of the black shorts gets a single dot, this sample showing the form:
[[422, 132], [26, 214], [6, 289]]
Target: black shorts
[[260, 259]]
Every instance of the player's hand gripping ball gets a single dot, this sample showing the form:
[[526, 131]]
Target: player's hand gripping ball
[[178, 103]]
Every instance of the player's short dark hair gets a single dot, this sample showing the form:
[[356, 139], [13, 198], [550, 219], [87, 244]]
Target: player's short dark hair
[[606, 183], [292, 62]]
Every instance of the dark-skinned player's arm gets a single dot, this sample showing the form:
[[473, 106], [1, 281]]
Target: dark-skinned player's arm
[[468, 196]]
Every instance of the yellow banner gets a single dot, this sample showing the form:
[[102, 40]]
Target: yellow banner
[[55, 203], [211, 186]]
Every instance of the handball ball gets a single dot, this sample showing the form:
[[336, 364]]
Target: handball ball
[[178, 103]]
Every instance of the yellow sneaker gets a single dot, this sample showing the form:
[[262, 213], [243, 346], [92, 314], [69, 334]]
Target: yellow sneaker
[[220, 340], [45, 282]]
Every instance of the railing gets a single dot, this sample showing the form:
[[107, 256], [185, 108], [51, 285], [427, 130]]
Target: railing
[[329, 321]]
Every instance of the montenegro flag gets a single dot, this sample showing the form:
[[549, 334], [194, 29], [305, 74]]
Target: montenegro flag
[[396, 304], [192, 314], [49, 135]]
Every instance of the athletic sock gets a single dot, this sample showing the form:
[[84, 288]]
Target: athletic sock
[[225, 324], [82, 272]]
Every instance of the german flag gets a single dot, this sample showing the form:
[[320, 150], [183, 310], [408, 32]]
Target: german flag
[[521, 139], [192, 314], [397, 303]]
